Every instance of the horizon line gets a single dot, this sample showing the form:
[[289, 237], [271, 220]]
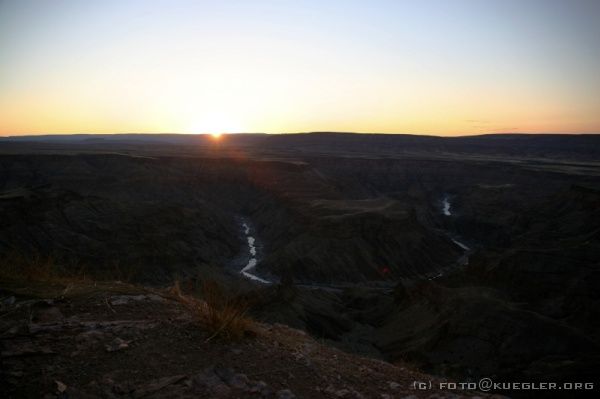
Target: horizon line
[[304, 132]]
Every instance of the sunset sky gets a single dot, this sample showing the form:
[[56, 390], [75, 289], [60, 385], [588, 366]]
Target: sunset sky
[[443, 67]]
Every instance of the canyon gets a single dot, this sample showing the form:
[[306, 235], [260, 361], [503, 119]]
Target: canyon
[[466, 257]]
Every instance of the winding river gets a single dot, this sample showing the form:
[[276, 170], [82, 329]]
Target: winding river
[[247, 271], [464, 258], [446, 207]]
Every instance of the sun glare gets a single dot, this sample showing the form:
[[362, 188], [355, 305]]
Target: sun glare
[[216, 124]]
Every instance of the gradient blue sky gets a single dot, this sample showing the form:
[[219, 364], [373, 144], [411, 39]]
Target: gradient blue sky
[[438, 67]]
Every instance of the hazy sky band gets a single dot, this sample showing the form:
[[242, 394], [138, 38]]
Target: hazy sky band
[[437, 67]]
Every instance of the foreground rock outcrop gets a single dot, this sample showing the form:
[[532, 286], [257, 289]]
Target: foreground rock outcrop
[[118, 341]]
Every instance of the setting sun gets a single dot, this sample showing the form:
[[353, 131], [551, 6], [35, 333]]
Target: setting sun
[[422, 67], [214, 122], [216, 136]]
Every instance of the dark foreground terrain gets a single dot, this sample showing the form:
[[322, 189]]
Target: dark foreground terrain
[[461, 257], [119, 341]]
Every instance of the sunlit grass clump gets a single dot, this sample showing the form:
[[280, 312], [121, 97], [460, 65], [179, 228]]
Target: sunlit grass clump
[[223, 315], [46, 276]]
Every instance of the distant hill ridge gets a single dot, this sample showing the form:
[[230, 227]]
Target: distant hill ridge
[[582, 147]]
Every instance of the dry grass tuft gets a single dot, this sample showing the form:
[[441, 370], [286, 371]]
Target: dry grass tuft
[[40, 276], [226, 315], [37, 268], [223, 315], [40, 268]]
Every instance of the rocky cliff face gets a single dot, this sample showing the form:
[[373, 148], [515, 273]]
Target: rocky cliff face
[[107, 214], [525, 310], [175, 214]]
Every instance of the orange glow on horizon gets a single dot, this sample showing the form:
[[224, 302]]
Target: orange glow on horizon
[[286, 67]]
